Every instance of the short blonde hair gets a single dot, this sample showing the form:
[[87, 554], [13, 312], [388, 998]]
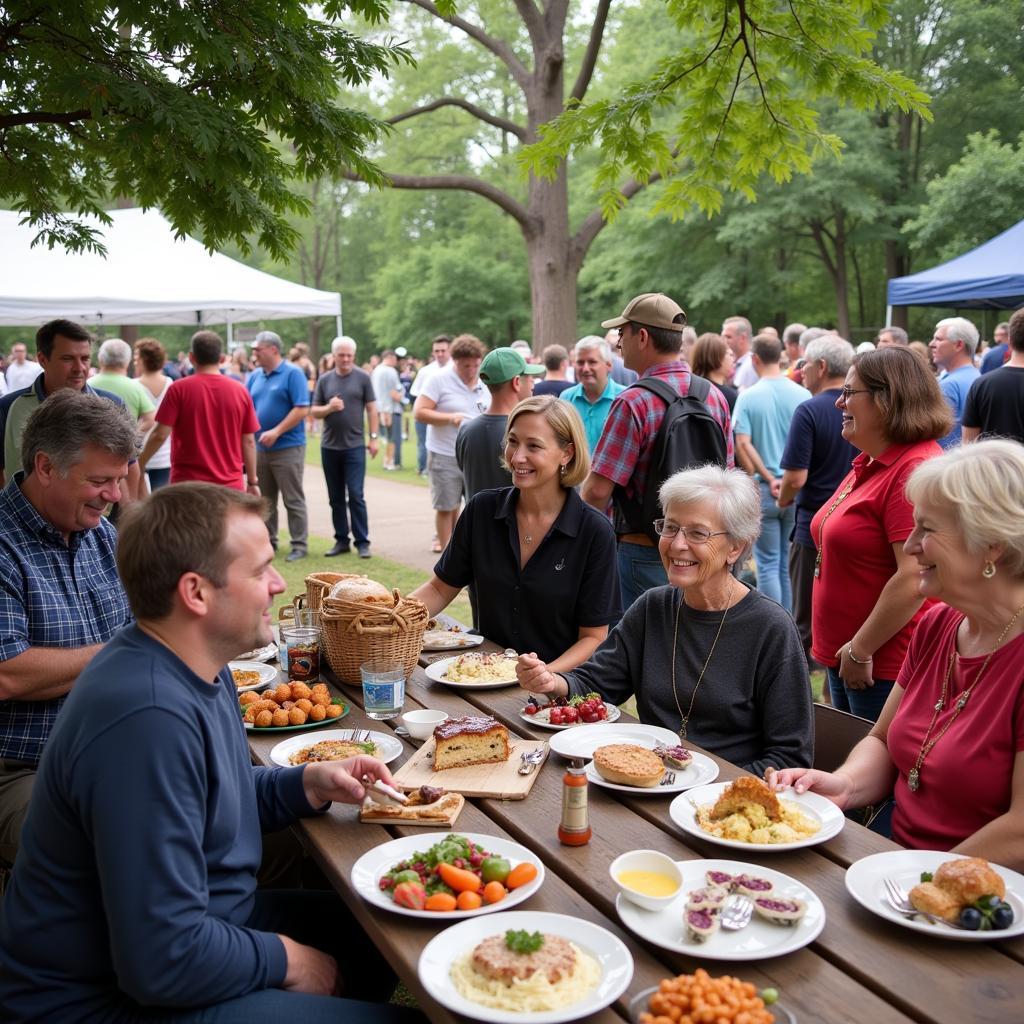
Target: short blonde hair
[[983, 485], [566, 425], [733, 492]]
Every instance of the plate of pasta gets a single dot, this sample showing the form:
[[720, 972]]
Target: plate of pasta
[[336, 745], [475, 670], [521, 967]]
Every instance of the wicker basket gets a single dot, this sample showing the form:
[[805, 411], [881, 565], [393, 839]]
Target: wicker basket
[[353, 632], [318, 584]]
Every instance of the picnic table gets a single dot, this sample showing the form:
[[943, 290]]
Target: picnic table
[[860, 968]]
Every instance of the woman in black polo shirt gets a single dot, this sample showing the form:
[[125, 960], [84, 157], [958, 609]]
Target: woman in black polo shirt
[[542, 561]]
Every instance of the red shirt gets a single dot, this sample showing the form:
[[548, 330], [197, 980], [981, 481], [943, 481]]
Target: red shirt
[[966, 778], [857, 558], [208, 413]]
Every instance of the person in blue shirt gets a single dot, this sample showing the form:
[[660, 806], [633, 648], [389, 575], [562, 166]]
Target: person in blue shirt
[[999, 352], [595, 390], [280, 393], [952, 349], [135, 894]]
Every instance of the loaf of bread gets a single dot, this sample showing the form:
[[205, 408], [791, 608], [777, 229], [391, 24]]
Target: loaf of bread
[[362, 588], [477, 739]]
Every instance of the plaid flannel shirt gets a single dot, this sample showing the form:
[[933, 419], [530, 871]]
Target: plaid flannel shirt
[[52, 594], [624, 452]]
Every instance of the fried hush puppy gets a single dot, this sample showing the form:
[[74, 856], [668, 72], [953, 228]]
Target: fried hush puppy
[[288, 704]]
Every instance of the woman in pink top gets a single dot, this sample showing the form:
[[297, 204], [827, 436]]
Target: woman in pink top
[[951, 735]]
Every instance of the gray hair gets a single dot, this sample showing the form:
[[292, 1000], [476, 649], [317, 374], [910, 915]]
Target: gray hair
[[741, 322], [899, 335], [269, 338], [835, 351], [793, 332], [589, 341], [734, 494], [114, 352], [808, 334], [340, 342], [70, 421], [959, 328], [519, 345]]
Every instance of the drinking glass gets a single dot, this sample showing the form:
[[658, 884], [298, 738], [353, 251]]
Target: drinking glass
[[302, 653], [383, 688]]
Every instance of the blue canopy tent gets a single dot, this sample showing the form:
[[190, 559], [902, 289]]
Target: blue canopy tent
[[989, 277]]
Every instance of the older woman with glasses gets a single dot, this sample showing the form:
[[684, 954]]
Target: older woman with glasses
[[706, 657], [865, 601], [951, 735]]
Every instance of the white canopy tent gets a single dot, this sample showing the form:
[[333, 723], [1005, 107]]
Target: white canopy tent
[[147, 277]]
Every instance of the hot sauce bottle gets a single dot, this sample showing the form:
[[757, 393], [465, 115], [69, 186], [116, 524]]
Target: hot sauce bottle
[[574, 828]]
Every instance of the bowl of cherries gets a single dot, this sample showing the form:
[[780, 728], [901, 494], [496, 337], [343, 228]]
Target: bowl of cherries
[[563, 712]]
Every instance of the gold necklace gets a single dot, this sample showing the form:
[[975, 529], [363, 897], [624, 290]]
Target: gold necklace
[[914, 778], [684, 720], [821, 530]]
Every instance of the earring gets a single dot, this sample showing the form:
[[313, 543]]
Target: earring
[[561, 472], [989, 571]]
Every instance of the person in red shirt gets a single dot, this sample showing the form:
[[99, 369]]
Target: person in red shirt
[[951, 735], [865, 601], [211, 421]]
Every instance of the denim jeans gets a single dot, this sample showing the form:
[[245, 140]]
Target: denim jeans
[[345, 471], [158, 478], [421, 447], [865, 703], [394, 435], [640, 569], [771, 549]]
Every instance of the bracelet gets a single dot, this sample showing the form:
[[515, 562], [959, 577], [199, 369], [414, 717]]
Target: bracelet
[[854, 658], [252, 483]]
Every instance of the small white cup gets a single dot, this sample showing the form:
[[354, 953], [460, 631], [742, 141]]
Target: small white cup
[[646, 860], [421, 723]]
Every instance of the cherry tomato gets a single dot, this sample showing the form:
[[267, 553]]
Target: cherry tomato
[[531, 709]]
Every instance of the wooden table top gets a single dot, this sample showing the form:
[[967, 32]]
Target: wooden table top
[[860, 968]]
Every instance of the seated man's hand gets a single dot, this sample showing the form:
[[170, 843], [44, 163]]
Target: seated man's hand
[[309, 970], [342, 781], [535, 676]]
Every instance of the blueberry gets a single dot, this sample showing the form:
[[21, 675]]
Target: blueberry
[[1002, 916], [970, 918]]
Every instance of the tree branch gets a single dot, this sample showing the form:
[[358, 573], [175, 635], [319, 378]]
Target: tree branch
[[534, 22], [586, 71], [594, 222], [503, 124], [458, 182], [43, 117], [498, 47]]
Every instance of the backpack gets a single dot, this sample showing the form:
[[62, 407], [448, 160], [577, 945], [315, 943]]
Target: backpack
[[689, 436]]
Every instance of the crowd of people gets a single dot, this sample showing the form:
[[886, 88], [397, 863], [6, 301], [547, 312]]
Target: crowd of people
[[694, 521]]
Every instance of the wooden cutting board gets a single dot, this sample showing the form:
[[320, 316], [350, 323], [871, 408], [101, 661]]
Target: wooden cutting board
[[448, 821], [502, 781]]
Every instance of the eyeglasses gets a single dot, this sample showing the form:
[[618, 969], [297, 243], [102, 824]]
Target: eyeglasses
[[694, 534], [848, 391]]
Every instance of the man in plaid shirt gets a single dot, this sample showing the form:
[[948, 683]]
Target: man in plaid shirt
[[60, 596], [650, 338]]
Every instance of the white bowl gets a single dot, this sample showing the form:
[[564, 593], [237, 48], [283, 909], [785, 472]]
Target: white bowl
[[421, 723], [646, 860]]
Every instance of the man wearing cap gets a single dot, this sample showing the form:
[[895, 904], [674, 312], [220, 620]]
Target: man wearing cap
[[478, 445], [650, 337], [592, 397], [280, 393]]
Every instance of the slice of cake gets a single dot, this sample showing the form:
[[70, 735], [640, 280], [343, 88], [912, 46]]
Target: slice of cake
[[476, 739]]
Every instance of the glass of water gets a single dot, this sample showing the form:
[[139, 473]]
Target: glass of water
[[383, 688]]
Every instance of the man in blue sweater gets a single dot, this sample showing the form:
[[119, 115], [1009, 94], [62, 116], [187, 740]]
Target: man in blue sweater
[[136, 889]]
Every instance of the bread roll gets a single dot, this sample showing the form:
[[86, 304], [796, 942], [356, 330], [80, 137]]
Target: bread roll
[[363, 589], [627, 764]]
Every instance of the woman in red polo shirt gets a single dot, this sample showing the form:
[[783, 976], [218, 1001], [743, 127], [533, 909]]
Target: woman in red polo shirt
[[951, 734], [865, 602]]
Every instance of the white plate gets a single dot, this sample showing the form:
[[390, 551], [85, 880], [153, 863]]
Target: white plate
[[437, 669], [865, 885], [542, 723], [700, 772], [446, 640], [389, 747], [442, 950], [580, 743], [682, 812], [638, 1004], [267, 673], [758, 941], [260, 654], [375, 863]]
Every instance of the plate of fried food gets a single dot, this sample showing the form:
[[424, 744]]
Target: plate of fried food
[[969, 899], [450, 637], [747, 813], [476, 670], [336, 745], [251, 675], [520, 967], [291, 706], [725, 998]]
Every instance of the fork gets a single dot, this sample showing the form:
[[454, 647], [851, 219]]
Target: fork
[[668, 779], [897, 899], [736, 913]]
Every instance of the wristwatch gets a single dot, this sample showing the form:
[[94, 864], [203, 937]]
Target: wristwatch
[[373, 436]]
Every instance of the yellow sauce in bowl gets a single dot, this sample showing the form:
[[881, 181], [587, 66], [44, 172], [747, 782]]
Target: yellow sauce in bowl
[[648, 883]]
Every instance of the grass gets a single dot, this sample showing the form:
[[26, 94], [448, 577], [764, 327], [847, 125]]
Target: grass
[[375, 467], [391, 574]]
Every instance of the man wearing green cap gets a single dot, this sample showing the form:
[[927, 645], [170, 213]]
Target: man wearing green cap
[[478, 447]]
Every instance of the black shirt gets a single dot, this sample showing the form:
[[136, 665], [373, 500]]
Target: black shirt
[[571, 580], [478, 453], [995, 403]]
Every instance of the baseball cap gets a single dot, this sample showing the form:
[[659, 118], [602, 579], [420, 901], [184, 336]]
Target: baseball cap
[[652, 309], [502, 364]]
